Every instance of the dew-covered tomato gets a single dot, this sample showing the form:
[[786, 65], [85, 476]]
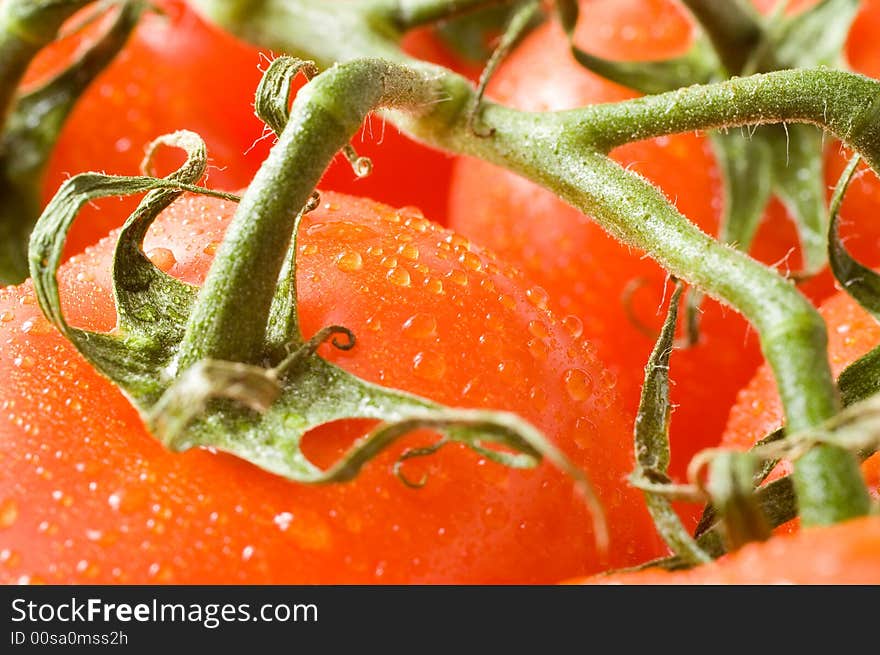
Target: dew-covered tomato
[[852, 332], [86, 495], [584, 271], [847, 553], [179, 72]]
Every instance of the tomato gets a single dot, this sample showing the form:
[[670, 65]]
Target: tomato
[[852, 332], [86, 495], [170, 77], [584, 271], [847, 553]]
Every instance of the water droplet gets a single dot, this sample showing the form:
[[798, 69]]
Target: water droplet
[[573, 325], [349, 260], [24, 362], [538, 397], [538, 297], [434, 285], [429, 366], [506, 301], [283, 520], [577, 383], [584, 432], [9, 558], [389, 262], [457, 277], [539, 349], [491, 343], [399, 276], [309, 249], [8, 513], [7, 316], [420, 326], [470, 261], [408, 251], [246, 553], [538, 329], [162, 258]]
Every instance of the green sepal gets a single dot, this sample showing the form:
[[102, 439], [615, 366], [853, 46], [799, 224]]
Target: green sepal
[[747, 173], [731, 488], [651, 432], [696, 66], [32, 129], [257, 410], [810, 38], [149, 302], [469, 35]]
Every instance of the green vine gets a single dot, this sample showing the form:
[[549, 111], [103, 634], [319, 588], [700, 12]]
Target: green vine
[[566, 152]]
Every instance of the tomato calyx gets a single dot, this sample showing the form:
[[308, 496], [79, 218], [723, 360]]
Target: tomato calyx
[[32, 122], [227, 367], [780, 160]]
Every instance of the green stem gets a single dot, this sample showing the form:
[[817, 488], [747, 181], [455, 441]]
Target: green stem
[[732, 28], [845, 104], [326, 114], [563, 152]]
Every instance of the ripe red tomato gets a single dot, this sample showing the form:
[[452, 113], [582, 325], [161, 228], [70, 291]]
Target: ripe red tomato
[[86, 495], [852, 332], [178, 72], [584, 271], [847, 553]]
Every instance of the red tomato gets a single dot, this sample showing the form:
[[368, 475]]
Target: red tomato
[[847, 553], [178, 72], [584, 271], [86, 495], [852, 332]]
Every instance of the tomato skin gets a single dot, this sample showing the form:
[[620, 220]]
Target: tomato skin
[[86, 495], [167, 78], [852, 332], [846, 553], [585, 272]]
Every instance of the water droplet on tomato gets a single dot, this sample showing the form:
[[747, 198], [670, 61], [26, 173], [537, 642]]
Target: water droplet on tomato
[[578, 383], [399, 276], [538, 297], [211, 248], [434, 285], [470, 261], [283, 520], [573, 325], [457, 277], [420, 326], [7, 316], [162, 258], [429, 366], [491, 343], [539, 349], [9, 558], [507, 301], [538, 397], [538, 329], [24, 362], [409, 251], [8, 513], [349, 261]]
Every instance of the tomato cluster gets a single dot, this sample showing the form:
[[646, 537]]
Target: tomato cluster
[[525, 305]]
